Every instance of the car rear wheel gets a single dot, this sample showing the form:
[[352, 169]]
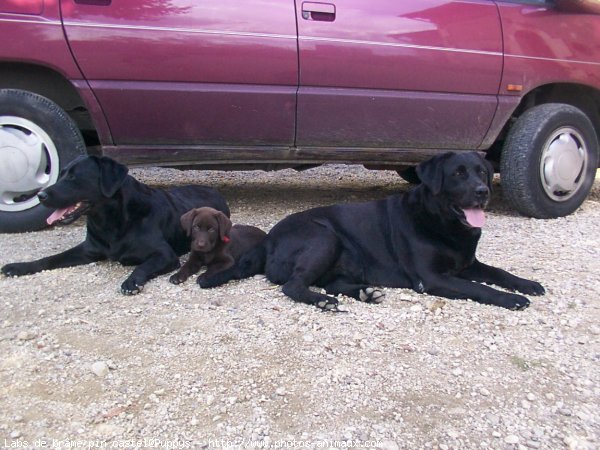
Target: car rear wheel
[[549, 161], [37, 138]]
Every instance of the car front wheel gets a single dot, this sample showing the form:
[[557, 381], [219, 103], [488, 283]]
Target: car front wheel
[[549, 161], [37, 138]]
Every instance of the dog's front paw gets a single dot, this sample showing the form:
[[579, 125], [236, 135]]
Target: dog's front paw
[[18, 269], [513, 301], [371, 295], [530, 288], [131, 287]]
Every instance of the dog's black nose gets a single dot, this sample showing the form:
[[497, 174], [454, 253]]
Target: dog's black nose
[[42, 196], [482, 192]]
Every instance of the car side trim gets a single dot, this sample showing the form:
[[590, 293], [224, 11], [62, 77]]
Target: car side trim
[[401, 45], [540, 58], [278, 36], [178, 30], [42, 22]]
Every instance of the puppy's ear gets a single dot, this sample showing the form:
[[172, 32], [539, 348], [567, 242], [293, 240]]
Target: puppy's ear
[[112, 175], [431, 172], [187, 220], [224, 225]]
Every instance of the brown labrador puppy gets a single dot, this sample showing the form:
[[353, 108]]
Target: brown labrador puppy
[[215, 242]]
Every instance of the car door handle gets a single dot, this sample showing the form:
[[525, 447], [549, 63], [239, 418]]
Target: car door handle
[[324, 12]]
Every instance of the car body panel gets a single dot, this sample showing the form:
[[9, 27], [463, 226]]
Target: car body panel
[[18, 33], [183, 66], [393, 74], [543, 45]]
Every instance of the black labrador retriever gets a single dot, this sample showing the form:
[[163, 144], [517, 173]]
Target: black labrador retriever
[[425, 240], [127, 221]]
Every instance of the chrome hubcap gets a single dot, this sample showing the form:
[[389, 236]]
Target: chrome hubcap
[[28, 163], [563, 164]]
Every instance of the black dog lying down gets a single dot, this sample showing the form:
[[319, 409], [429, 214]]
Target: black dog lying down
[[127, 221], [425, 240]]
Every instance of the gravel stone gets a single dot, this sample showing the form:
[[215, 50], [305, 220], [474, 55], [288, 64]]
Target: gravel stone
[[26, 335], [242, 361], [100, 369]]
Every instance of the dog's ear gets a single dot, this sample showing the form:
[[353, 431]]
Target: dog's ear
[[187, 220], [112, 175], [431, 172], [224, 226], [490, 172]]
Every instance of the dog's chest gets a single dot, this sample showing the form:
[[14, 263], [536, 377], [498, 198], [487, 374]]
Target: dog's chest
[[128, 249], [453, 259], [127, 254]]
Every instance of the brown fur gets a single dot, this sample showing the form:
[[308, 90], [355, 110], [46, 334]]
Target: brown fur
[[216, 243]]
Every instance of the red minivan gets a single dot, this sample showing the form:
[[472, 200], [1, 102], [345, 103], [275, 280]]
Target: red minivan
[[292, 83]]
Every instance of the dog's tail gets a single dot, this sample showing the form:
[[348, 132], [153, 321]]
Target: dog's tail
[[249, 264]]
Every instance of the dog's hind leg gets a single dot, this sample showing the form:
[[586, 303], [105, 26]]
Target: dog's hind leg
[[298, 291], [362, 292], [315, 259]]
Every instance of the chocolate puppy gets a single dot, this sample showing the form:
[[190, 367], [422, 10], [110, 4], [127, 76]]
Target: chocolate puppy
[[215, 242]]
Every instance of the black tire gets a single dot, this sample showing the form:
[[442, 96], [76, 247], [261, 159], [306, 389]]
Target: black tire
[[25, 114], [539, 139]]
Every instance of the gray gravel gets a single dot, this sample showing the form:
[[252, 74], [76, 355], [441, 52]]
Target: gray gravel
[[179, 366]]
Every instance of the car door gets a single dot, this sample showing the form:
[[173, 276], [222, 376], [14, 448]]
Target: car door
[[181, 72], [410, 73]]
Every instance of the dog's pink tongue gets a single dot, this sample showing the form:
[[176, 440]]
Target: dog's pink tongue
[[475, 217], [56, 215]]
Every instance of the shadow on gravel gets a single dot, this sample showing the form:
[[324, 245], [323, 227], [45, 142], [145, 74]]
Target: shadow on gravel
[[323, 185]]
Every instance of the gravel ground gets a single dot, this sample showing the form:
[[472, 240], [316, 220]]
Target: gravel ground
[[176, 366]]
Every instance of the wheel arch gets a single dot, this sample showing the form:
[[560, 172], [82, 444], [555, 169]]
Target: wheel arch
[[586, 98], [583, 97], [53, 85]]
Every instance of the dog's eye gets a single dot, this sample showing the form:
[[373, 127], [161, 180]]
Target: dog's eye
[[459, 172], [211, 230]]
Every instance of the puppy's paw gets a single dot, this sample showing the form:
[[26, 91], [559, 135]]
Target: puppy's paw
[[371, 295], [177, 279], [131, 287], [18, 269], [209, 282], [513, 301], [530, 288]]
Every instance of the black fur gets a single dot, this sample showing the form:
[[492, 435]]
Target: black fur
[[127, 221], [421, 240]]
